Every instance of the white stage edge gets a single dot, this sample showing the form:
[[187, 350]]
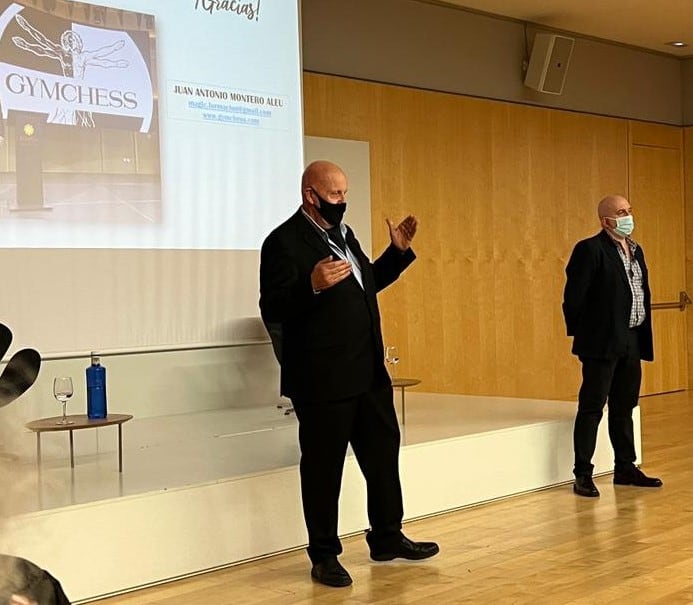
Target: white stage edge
[[457, 451]]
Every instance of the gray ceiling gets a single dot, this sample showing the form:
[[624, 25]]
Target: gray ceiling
[[646, 24]]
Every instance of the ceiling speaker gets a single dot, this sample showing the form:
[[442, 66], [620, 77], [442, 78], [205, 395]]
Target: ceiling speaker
[[548, 63]]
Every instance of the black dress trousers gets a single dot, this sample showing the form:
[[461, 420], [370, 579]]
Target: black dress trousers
[[369, 423], [618, 382]]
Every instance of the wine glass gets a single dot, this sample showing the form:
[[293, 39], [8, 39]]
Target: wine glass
[[62, 391], [392, 357]]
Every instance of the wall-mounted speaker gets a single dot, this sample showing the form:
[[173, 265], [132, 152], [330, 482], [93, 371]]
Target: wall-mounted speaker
[[548, 63]]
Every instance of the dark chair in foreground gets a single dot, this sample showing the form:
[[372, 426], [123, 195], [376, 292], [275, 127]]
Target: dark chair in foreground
[[19, 578], [20, 372], [22, 578]]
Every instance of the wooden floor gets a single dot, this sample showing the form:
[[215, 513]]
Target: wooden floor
[[631, 546]]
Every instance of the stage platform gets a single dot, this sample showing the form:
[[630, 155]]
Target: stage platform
[[208, 489]]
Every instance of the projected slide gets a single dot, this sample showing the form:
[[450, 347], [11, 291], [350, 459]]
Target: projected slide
[[139, 124], [64, 87]]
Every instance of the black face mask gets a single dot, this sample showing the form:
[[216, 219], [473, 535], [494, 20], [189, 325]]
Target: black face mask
[[332, 213]]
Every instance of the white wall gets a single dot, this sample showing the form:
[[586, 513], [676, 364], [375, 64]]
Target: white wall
[[146, 385], [353, 157]]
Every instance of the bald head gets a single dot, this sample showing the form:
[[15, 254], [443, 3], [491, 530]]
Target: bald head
[[611, 205], [322, 182], [610, 210], [321, 174]]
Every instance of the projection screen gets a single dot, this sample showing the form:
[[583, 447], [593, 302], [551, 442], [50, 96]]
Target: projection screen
[[148, 148]]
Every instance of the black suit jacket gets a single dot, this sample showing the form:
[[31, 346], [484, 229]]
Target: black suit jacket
[[598, 299], [331, 344]]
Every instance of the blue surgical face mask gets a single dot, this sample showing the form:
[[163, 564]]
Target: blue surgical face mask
[[624, 225]]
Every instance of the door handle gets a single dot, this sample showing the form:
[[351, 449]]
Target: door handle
[[683, 301]]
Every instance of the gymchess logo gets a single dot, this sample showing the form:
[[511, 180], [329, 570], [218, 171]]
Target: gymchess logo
[[74, 74]]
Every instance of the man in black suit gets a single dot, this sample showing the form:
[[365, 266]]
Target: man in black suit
[[606, 305], [318, 292]]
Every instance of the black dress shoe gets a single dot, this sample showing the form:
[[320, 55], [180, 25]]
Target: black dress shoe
[[635, 476], [584, 486], [330, 572], [404, 548]]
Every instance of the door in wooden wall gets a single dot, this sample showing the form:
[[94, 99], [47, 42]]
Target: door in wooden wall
[[656, 194]]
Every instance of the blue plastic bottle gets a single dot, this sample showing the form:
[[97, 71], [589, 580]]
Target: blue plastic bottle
[[96, 389]]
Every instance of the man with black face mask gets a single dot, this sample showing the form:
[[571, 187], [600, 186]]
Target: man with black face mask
[[318, 289]]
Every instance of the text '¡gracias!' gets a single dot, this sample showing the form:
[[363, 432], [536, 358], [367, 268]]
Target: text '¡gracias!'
[[250, 10]]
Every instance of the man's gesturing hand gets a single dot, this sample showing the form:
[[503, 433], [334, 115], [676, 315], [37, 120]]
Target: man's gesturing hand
[[328, 272], [402, 234]]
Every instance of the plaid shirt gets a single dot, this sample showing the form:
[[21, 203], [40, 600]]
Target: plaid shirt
[[634, 273]]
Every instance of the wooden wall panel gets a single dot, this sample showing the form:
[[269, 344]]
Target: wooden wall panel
[[502, 193], [656, 135]]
